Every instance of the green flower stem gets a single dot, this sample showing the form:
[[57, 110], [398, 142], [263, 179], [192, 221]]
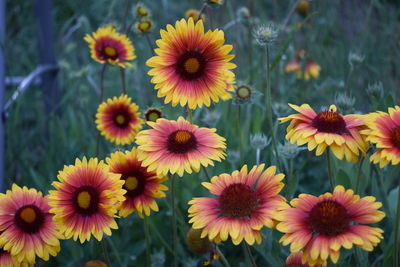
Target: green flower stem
[[189, 114], [328, 161], [102, 75], [203, 8], [123, 83], [115, 251], [253, 262], [147, 236], [239, 134], [269, 111], [174, 225], [396, 230], [359, 173], [206, 173], [222, 257], [105, 252]]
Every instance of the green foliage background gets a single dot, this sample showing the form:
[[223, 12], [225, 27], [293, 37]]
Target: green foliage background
[[39, 144]]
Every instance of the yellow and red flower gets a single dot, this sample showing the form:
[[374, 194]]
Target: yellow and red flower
[[312, 69], [384, 131], [141, 185], [6, 260], [86, 199], [245, 202], [108, 46], [229, 86], [26, 225], [295, 260], [341, 133], [118, 120], [191, 66], [178, 146], [194, 14], [320, 226]]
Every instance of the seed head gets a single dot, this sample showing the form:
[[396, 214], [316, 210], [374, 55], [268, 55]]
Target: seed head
[[288, 150], [375, 90], [259, 141], [265, 35], [345, 101]]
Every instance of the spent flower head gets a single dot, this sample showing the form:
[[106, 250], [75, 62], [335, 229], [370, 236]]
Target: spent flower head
[[233, 156], [211, 118], [288, 150], [375, 90], [243, 13], [259, 141], [345, 101], [245, 94], [355, 58], [265, 35]]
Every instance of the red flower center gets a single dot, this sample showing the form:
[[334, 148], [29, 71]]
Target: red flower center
[[191, 65], [329, 122], [328, 218], [29, 219], [238, 200], [86, 200], [181, 141], [396, 137]]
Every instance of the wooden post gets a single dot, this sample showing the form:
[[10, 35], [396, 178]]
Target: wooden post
[[2, 88], [47, 56]]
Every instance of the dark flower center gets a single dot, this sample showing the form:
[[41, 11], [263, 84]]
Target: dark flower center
[[329, 122], [153, 115], [296, 265], [108, 52], [238, 200], [396, 137], [29, 219], [134, 183], [181, 141], [122, 119], [191, 65], [328, 218], [86, 200]]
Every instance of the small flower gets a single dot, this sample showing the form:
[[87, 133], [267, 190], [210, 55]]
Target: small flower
[[178, 146], [7, 260], [108, 46], [26, 225], [144, 25], [142, 10], [191, 67], [245, 202], [341, 133], [95, 263], [312, 69], [86, 199], [295, 260], [196, 243], [119, 120], [259, 141], [211, 118], [153, 114], [345, 101], [233, 156], [288, 150], [244, 94], [384, 131], [321, 225], [375, 90], [265, 35], [215, 2], [194, 14], [142, 186], [303, 8]]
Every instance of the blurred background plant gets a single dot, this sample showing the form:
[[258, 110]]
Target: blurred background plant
[[39, 142]]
